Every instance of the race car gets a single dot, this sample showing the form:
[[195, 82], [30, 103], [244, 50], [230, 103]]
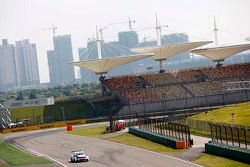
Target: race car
[[78, 156]]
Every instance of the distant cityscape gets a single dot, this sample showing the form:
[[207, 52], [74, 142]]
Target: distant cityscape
[[19, 64]]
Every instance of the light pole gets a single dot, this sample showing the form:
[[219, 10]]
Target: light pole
[[63, 113], [233, 119], [206, 119]]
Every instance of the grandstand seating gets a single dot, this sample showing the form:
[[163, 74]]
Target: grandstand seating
[[148, 88], [154, 94], [125, 82]]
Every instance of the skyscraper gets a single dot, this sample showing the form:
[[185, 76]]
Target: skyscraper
[[173, 39], [8, 79], [26, 63], [19, 65], [128, 39], [87, 75], [60, 69]]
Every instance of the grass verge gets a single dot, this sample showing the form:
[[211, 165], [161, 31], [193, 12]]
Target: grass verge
[[91, 132], [133, 140], [209, 160], [224, 115], [200, 133], [14, 156]]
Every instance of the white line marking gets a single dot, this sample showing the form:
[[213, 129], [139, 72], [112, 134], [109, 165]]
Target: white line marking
[[35, 153], [52, 159], [175, 158]]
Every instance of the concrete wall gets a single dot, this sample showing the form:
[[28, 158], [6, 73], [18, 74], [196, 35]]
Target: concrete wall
[[231, 152]]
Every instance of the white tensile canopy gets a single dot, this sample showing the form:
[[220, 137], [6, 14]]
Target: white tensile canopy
[[166, 51], [102, 66], [218, 54]]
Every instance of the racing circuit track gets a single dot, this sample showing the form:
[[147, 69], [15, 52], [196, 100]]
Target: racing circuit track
[[57, 145]]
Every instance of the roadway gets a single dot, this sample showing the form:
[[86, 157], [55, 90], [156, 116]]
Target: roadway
[[57, 145]]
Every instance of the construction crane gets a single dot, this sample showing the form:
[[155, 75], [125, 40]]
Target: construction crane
[[53, 28], [129, 23], [101, 31], [158, 29], [105, 27]]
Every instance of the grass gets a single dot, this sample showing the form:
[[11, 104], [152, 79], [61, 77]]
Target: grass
[[209, 160], [200, 133], [91, 132], [133, 140], [30, 112], [224, 115], [14, 156]]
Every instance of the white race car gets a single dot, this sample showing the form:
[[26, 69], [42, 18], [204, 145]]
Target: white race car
[[79, 155]]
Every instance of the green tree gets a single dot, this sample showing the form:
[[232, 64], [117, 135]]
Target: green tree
[[20, 96], [32, 94]]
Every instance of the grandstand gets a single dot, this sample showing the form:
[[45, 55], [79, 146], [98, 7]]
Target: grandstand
[[175, 90], [199, 87]]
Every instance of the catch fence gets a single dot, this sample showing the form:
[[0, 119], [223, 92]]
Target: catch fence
[[236, 136]]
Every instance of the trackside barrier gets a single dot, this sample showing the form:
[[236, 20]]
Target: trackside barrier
[[76, 122], [170, 142], [44, 126], [229, 141], [231, 152]]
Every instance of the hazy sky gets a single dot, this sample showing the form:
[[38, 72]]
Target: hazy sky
[[26, 19]]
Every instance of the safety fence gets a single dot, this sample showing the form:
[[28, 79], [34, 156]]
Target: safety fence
[[163, 127], [236, 136], [201, 124]]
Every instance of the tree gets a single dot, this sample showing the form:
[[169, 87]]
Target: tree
[[32, 94], [20, 96]]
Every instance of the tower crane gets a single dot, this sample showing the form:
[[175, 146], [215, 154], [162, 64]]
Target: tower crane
[[53, 28], [129, 23], [158, 29], [101, 31]]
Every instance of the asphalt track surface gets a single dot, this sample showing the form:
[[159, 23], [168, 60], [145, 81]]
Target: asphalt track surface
[[57, 145]]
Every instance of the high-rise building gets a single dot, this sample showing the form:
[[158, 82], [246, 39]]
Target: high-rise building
[[87, 75], [26, 63], [175, 39], [60, 69], [128, 39], [8, 79]]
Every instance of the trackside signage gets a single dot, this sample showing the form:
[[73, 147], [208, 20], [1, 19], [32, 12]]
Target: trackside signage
[[30, 103]]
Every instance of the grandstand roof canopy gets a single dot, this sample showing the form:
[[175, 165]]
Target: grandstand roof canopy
[[221, 53], [166, 51], [101, 66]]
